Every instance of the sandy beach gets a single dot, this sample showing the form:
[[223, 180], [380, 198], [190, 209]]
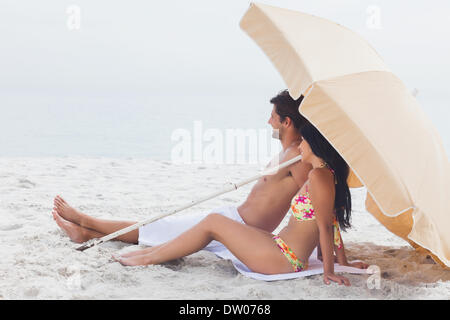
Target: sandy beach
[[40, 262]]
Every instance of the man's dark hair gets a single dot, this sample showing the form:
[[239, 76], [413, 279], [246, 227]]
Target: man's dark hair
[[285, 106]]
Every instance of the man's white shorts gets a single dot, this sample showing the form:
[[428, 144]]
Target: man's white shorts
[[170, 227]]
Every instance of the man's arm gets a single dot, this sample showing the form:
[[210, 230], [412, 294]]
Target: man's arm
[[299, 170]]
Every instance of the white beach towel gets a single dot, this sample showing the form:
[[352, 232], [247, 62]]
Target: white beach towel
[[315, 267], [170, 227]]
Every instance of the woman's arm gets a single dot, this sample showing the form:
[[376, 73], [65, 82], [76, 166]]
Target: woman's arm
[[340, 254], [319, 253], [326, 242], [322, 194], [342, 259]]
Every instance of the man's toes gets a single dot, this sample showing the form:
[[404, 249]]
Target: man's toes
[[61, 199], [56, 207], [56, 216], [59, 205], [58, 219]]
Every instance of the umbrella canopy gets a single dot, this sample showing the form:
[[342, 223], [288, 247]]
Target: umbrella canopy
[[369, 116]]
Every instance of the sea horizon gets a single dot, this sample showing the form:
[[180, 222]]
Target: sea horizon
[[146, 126]]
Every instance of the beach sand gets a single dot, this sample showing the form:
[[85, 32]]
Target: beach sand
[[38, 261]]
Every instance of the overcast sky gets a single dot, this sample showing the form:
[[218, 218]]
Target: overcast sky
[[188, 45], [197, 48]]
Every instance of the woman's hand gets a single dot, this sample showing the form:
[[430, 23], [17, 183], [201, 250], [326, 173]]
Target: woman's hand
[[327, 277], [357, 264]]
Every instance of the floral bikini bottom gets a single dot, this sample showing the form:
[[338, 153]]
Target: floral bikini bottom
[[296, 263]]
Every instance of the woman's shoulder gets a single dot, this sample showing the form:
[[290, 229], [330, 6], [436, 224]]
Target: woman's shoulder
[[321, 187], [321, 177]]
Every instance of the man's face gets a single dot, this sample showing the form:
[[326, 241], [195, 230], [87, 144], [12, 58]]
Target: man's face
[[276, 124]]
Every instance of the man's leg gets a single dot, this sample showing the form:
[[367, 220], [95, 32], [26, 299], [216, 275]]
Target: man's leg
[[152, 234], [99, 227], [170, 227], [75, 232]]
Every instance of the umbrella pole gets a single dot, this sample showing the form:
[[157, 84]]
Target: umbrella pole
[[233, 186]]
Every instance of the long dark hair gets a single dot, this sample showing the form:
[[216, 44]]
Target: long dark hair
[[324, 150]]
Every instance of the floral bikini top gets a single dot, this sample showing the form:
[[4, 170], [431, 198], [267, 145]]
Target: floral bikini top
[[302, 209]]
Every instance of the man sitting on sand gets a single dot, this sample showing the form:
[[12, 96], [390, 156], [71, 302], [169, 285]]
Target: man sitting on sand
[[264, 208]]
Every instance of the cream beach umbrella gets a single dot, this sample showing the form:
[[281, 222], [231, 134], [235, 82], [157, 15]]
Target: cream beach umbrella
[[369, 116]]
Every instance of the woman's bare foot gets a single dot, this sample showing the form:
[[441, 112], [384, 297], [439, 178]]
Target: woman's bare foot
[[137, 260], [138, 252], [67, 212], [75, 232]]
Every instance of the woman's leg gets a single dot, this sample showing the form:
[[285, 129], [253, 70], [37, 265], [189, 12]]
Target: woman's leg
[[101, 227], [254, 247]]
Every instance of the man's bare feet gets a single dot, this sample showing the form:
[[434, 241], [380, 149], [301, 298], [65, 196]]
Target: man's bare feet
[[74, 231], [67, 212]]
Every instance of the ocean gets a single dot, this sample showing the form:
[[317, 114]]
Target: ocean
[[123, 125], [118, 125]]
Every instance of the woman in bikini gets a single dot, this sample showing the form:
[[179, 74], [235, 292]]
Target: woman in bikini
[[320, 208]]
